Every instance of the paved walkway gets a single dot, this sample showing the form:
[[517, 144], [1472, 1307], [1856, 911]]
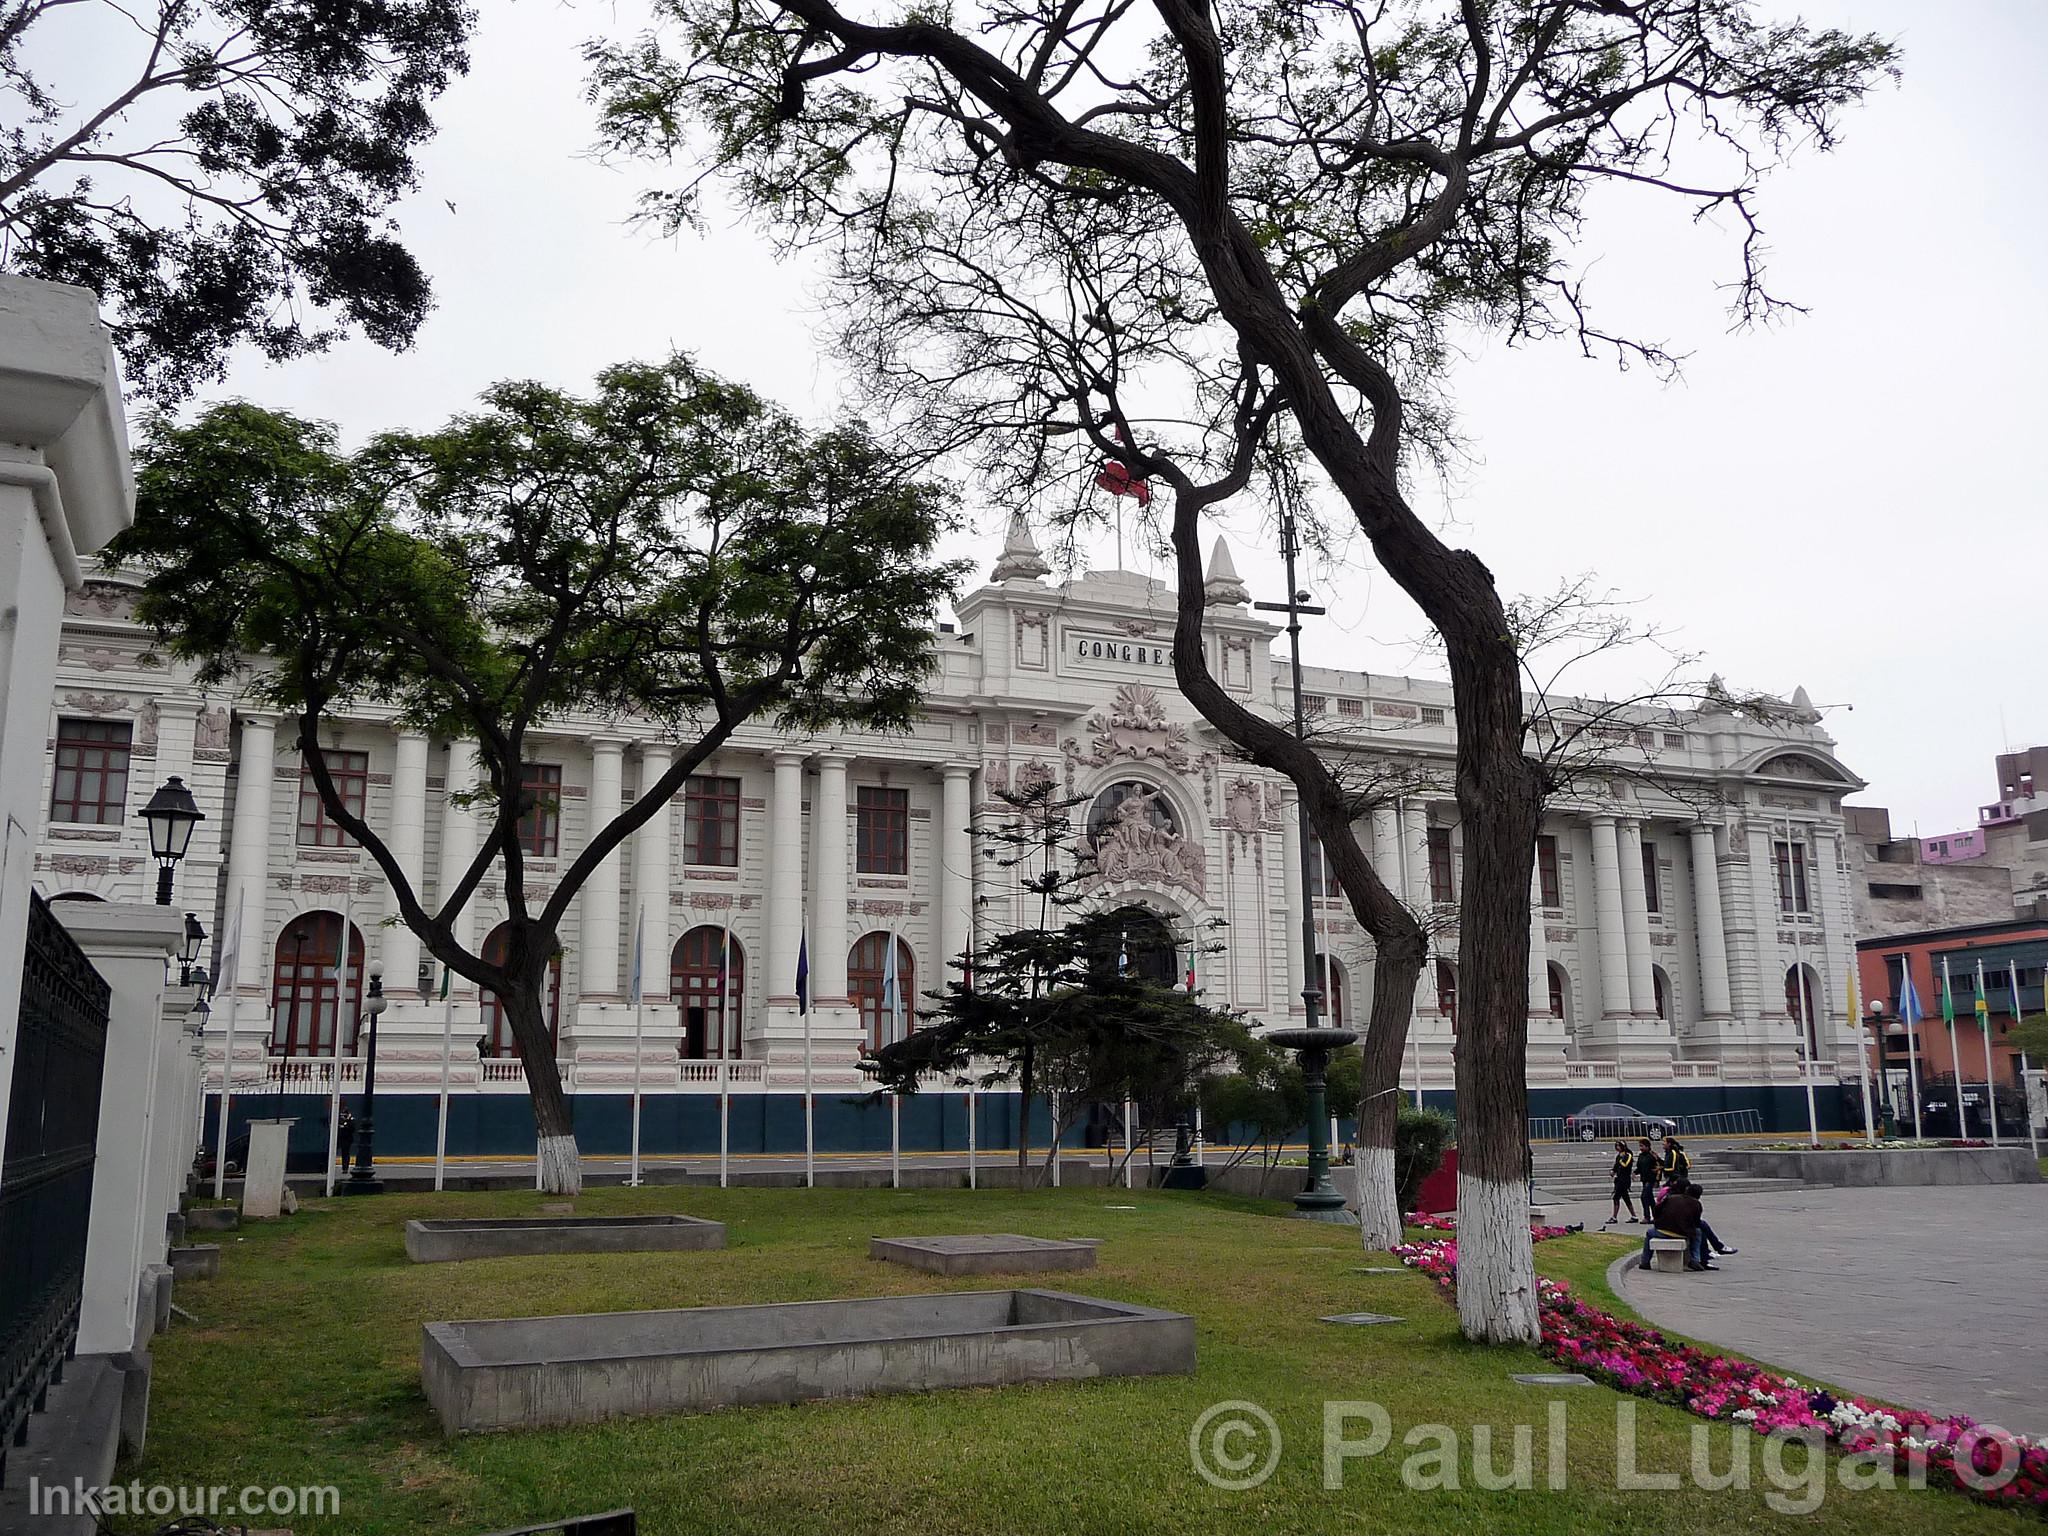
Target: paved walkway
[[1929, 1298]]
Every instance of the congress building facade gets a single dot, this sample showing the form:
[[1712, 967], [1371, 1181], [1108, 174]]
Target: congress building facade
[[1688, 945]]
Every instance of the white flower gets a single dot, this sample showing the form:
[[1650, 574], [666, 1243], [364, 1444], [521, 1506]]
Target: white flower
[[1744, 1415]]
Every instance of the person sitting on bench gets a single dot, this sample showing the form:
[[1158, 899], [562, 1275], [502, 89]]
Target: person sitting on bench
[[1707, 1239], [1677, 1215]]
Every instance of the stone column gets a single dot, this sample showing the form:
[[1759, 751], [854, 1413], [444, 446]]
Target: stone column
[[1710, 938], [956, 868], [828, 882], [128, 944], [1635, 917], [1607, 918], [785, 876], [398, 948], [651, 880], [249, 852], [459, 841], [1290, 876], [1386, 848], [1539, 952], [597, 963]]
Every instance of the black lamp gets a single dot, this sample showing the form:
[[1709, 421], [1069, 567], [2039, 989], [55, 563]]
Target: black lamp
[[362, 1179], [188, 952], [171, 815]]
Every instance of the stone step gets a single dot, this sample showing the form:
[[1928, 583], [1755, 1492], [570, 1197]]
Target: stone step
[[1570, 1189]]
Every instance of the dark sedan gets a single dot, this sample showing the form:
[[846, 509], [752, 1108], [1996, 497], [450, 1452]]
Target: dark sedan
[[1597, 1121]]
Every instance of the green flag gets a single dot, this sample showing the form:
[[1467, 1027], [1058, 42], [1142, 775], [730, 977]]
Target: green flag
[[1983, 1007], [446, 972], [1948, 1001]]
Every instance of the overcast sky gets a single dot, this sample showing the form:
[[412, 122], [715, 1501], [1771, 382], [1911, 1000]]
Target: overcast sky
[[1851, 501]]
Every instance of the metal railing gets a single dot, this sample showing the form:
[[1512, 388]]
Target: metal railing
[[46, 1173]]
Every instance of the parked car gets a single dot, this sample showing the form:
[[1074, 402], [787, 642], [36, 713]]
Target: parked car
[[1597, 1122]]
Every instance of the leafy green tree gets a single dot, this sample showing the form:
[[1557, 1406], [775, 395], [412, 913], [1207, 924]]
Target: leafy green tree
[[1232, 246], [669, 548], [1071, 1001], [236, 175]]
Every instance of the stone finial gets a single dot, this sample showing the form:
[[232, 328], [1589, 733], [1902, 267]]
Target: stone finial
[[1224, 586], [1020, 559], [1802, 707]]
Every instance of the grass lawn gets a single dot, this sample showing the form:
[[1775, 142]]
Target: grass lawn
[[303, 1371]]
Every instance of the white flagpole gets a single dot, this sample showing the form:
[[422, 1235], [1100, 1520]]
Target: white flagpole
[[1862, 1052], [895, 1141], [2026, 1097], [1201, 1147], [1912, 1040], [810, 1120], [1990, 1080], [1955, 1056], [1795, 867], [340, 1013], [1129, 1112], [725, 1060], [638, 989], [971, 1111], [227, 957], [447, 1055], [896, 1033]]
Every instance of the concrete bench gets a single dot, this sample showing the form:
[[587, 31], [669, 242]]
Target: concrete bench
[[200, 1261], [1668, 1254]]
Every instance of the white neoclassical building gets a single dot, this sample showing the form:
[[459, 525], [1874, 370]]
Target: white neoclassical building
[[1690, 937]]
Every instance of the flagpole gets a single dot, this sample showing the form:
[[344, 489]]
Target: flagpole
[[1129, 1111], [803, 1003], [340, 1012], [725, 1062], [1862, 1053], [1955, 1056], [2026, 1098], [638, 988], [228, 958], [1990, 1081], [893, 985], [447, 1053], [1910, 995], [1795, 859], [971, 1111]]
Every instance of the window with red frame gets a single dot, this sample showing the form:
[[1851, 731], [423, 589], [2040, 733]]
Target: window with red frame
[[1550, 884], [881, 830], [540, 828], [305, 1000], [1322, 879], [711, 821], [91, 782], [867, 970], [707, 978], [1442, 889], [1791, 862], [351, 774], [1556, 992]]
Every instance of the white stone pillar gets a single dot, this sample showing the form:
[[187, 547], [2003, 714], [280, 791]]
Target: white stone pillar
[[785, 876], [398, 946], [1539, 952], [597, 963], [249, 852], [828, 882], [1607, 918], [128, 944], [460, 838], [1710, 938], [1386, 848], [1290, 877], [956, 869], [651, 867], [1635, 917]]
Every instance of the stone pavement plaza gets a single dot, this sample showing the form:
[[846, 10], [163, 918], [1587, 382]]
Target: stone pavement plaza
[[1933, 1298]]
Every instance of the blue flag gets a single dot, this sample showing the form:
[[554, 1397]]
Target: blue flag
[[1909, 999], [803, 974], [892, 997]]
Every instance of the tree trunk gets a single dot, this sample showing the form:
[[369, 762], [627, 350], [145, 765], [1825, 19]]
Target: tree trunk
[[561, 1166], [1395, 969]]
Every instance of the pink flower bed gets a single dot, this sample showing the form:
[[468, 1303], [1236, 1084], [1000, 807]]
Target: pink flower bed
[[1950, 1452]]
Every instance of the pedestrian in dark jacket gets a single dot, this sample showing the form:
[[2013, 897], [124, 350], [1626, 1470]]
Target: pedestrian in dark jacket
[[1624, 1181], [1648, 1170]]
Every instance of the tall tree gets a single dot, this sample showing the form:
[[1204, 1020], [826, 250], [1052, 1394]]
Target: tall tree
[[1220, 244], [669, 549], [236, 174]]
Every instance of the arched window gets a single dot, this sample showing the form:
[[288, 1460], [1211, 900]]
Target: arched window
[[1560, 990], [707, 976], [1127, 801], [1336, 988], [867, 975], [305, 1001], [1802, 1006], [1137, 943], [1447, 992], [497, 1027], [1660, 988]]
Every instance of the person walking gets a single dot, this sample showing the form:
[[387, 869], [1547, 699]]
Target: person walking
[[1624, 1180], [1647, 1169], [1677, 1166]]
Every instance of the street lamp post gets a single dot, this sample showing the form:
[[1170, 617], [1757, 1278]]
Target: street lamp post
[[362, 1179], [170, 815], [1319, 1201], [188, 950]]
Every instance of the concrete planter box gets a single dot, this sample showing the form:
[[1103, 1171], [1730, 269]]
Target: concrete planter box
[[1894, 1166], [522, 1373], [985, 1253], [438, 1242]]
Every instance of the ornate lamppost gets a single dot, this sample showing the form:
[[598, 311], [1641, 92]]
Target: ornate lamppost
[[1320, 1200], [189, 947], [362, 1179], [170, 815]]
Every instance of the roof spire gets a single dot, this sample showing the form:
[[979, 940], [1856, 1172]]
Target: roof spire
[[1020, 559], [1224, 586]]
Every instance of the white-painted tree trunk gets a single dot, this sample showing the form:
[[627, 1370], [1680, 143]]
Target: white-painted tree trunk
[[1496, 1262], [1379, 1212], [561, 1170]]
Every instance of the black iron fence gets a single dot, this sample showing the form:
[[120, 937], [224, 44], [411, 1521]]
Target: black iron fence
[[53, 1122]]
